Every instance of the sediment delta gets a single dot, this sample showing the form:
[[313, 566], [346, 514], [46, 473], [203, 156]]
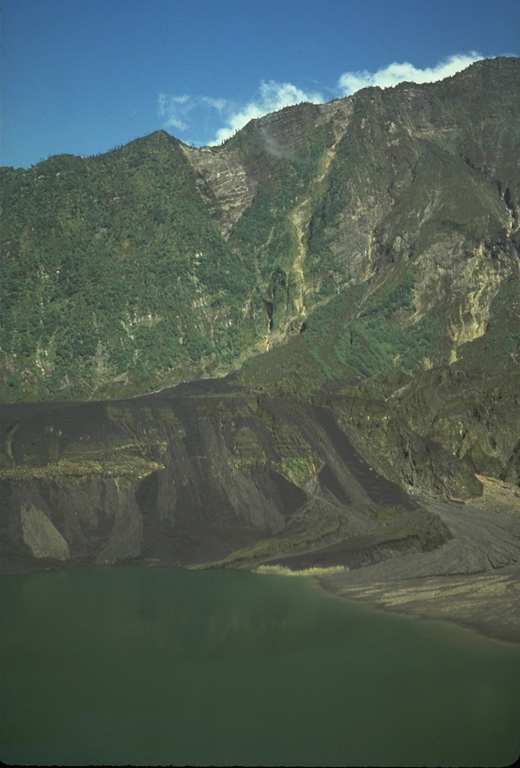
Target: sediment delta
[[472, 580]]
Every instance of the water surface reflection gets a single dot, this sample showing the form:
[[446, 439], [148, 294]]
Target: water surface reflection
[[164, 666]]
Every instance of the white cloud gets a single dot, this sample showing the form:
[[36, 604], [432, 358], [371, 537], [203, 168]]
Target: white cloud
[[271, 97], [202, 114], [218, 104], [395, 73], [175, 109]]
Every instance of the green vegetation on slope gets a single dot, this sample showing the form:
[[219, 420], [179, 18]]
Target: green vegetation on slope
[[112, 266], [367, 236]]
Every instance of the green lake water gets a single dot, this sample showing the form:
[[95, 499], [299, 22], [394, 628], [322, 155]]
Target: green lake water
[[169, 667]]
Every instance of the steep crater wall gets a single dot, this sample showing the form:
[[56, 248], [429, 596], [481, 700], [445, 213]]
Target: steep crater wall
[[178, 479]]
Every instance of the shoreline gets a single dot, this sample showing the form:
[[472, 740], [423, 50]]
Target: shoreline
[[482, 616], [427, 598], [472, 581]]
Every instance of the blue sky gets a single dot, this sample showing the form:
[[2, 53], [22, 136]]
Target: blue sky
[[82, 76]]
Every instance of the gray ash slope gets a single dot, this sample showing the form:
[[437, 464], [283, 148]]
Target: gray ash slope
[[179, 479]]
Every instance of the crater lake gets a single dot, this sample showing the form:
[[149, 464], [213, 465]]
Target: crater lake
[[156, 666]]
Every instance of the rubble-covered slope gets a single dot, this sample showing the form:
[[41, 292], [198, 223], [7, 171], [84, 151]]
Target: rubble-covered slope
[[182, 478]]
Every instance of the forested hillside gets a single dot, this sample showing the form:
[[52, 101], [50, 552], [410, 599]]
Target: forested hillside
[[371, 234]]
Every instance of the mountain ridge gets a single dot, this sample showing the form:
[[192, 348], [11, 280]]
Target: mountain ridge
[[299, 349], [295, 208]]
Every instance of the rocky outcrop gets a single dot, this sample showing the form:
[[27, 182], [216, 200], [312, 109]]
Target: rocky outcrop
[[223, 183], [417, 462]]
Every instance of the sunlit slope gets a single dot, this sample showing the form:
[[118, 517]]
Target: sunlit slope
[[362, 237]]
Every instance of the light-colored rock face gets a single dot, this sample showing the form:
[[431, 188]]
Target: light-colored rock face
[[41, 536], [223, 183], [460, 287], [399, 186]]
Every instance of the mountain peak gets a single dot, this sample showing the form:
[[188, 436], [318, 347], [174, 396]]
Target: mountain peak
[[208, 256]]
